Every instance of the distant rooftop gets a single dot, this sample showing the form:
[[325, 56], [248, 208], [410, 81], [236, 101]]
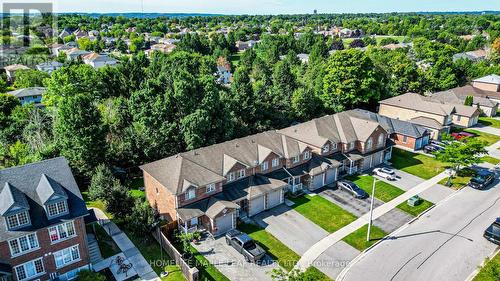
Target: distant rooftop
[[490, 79]]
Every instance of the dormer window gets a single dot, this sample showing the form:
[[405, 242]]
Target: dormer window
[[307, 155], [264, 166], [18, 220], [231, 176], [191, 194], [381, 139], [210, 187], [296, 159], [57, 209], [325, 149], [334, 146], [275, 162], [351, 146]]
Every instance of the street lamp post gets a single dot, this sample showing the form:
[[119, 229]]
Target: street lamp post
[[371, 210]]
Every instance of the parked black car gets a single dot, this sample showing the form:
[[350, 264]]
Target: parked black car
[[431, 148], [482, 179], [352, 188], [492, 233], [245, 245]]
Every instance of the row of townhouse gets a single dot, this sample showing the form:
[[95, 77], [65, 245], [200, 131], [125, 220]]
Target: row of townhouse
[[209, 188], [440, 111], [42, 229]]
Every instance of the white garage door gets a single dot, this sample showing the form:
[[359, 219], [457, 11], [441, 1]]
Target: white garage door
[[274, 199], [331, 175], [316, 181], [256, 206], [224, 224]]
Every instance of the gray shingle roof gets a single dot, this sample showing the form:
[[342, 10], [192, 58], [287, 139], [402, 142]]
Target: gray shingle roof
[[458, 95], [47, 188], [27, 178], [28, 92], [11, 197], [490, 79]]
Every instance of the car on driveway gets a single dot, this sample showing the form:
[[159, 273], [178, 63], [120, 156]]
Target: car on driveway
[[461, 135], [492, 233], [482, 179], [385, 173], [432, 148], [245, 245], [352, 188]]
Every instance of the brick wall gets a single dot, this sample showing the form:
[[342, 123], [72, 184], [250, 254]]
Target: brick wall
[[159, 197], [398, 139], [47, 249]]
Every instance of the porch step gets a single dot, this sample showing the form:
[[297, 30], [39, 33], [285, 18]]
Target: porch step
[[289, 203]]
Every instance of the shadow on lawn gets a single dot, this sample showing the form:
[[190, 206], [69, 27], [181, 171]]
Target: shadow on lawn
[[402, 159], [251, 228]]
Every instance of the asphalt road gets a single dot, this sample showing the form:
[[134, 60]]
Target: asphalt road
[[446, 244]]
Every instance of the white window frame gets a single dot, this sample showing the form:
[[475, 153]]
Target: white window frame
[[241, 173], [65, 253], [231, 176], [210, 187], [459, 117], [405, 139], [18, 224], [351, 146], [275, 162], [23, 266], [334, 145], [296, 159], [191, 194], [369, 143], [61, 208], [381, 139], [325, 148], [264, 166], [57, 229], [33, 244], [307, 155]]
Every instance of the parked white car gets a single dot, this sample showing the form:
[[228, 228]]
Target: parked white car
[[385, 173]]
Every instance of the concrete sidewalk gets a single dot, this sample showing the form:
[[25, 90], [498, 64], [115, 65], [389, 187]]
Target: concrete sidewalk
[[139, 263], [321, 246]]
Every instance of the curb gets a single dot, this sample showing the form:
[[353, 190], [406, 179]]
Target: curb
[[476, 271]]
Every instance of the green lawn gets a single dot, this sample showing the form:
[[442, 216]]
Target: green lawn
[[490, 159], [357, 239], [488, 138], [416, 210], [487, 121], [416, 164], [322, 212], [460, 180], [134, 185], [278, 251], [383, 191], [386, 192], [235, 59], [490, 271], [95, 204]]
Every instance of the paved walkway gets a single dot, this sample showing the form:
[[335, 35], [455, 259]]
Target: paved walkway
[[486, 129], [140, 265], [317, 249]]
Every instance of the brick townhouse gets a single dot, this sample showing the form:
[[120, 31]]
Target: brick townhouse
[[42, 230], [210, 187]]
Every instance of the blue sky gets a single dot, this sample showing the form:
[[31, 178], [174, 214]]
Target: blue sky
[[274, 6]]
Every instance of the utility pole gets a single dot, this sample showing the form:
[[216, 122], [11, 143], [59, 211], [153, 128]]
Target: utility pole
[[371, 210]]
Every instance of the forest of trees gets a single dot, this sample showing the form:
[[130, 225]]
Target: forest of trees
[[148, 108]]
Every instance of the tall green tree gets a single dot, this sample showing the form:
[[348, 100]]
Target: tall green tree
[[30, 78], [80, 133]]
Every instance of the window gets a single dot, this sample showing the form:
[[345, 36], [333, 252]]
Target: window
[[325, 149], [191, 193], [307, 154], [67, 256], [381, 139], [264, 166], [230, 176], [194, 221], [296, 159], [23, 244], [369, 143], [57, 209], [210, 187], [30, 269], [351, 146], [18, 220], [276, 162], [241, 173], [405, 139], [459, 117], [62, 231]]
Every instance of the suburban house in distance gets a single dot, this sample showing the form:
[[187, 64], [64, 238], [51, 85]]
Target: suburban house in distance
[[97, 60], [429, 112], [29, 95], [42, 230], [208, 188], [10, 71]]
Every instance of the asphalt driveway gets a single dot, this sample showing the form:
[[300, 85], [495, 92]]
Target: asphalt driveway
[[298, 233], [388, 222], [231, 263]]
